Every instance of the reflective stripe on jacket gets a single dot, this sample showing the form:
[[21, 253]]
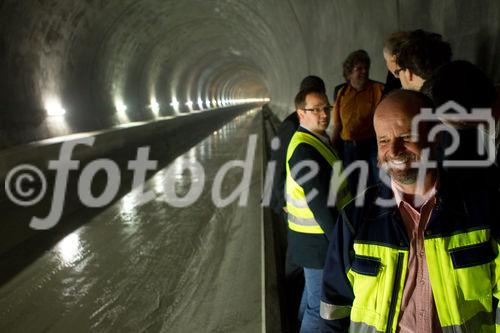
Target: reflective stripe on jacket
[[363, 288], [300, 217]]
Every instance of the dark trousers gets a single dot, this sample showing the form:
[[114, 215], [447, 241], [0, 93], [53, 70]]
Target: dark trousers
[[294, 286]]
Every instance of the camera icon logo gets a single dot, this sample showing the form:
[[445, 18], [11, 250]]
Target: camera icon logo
[[449, 117]]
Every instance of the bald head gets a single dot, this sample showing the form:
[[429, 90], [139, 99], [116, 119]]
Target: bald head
[[399, 103], [397, 145]]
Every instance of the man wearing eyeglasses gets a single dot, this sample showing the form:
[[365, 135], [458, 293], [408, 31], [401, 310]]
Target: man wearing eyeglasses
[[418, 57], [310, 161]]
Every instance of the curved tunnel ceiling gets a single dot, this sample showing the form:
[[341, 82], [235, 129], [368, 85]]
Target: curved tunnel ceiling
[[108, 62]]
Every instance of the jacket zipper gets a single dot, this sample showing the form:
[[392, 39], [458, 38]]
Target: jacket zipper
[[395, 292]]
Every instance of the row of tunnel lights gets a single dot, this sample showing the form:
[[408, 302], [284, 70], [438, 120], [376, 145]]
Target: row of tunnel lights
[[55, 109]]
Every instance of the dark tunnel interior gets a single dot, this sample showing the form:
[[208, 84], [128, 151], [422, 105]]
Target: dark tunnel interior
[[192, 83], [104, 63]]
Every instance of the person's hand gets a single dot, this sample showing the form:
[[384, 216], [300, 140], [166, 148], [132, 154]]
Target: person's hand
[[285, 210]]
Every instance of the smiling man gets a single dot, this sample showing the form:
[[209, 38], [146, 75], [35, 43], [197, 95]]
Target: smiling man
[[399, 149], [352, 116], [421, 253], [310, 160]]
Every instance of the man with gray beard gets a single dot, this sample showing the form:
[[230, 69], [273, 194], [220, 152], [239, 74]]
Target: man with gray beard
[[418, 253]]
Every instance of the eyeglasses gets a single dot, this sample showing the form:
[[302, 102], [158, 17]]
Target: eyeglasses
[[319, 110]]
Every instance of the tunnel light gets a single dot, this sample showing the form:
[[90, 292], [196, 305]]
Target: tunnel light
[[200, 103], [175, 103], [120, 107], [155, 107], [214, 103], [54, 109], [189, 104], [120, 110], [207, 103]]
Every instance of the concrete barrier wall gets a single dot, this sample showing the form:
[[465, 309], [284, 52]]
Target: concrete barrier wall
[[167, 138]]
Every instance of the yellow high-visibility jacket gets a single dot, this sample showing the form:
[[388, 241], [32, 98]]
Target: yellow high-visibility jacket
[[367, 263], [300, 216]]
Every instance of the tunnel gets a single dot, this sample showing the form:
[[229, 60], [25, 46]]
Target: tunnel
[[197, 88]]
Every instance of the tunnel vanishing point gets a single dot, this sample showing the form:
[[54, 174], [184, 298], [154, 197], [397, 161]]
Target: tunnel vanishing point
[[105, 63], [191, 80]]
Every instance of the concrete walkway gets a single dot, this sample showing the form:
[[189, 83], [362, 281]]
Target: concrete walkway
[[153, 267]]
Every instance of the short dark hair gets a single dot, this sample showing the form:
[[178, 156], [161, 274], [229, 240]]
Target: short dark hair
[[300, 98], [423, 52], [394, 41], [356, 57], [313, 82]]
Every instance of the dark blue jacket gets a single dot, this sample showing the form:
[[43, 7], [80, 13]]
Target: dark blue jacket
[[461, 208]]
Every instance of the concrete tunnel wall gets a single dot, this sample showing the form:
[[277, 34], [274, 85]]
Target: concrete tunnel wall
[[91, 57]]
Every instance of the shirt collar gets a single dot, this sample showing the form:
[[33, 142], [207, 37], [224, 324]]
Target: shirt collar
[[398, 194], [323, 137]]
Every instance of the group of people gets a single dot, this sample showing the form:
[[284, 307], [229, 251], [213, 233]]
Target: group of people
[[386, 241]]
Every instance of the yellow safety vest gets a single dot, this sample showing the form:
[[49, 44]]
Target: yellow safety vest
[[463, 270], [300, 217]]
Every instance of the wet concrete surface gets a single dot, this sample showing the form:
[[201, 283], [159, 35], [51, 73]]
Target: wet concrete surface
[[166, 139], [152, 267]]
